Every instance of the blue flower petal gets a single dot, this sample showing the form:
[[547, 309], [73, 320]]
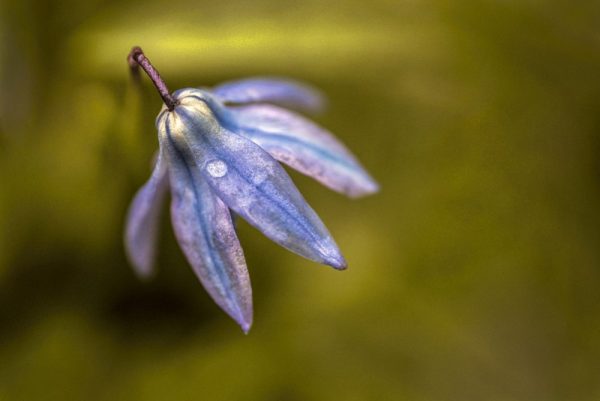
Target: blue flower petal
[[141, 229], [304, 146], [251, 183], [205, 232], [283, 92]]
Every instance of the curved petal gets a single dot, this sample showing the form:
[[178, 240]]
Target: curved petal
[[304, 146], [252, 183], [141, 229], [283, 92], [205, 232]]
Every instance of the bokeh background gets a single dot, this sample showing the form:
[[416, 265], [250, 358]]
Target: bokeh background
[[474, 274]]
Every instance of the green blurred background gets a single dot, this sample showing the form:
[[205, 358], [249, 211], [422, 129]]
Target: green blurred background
[[474, 274]]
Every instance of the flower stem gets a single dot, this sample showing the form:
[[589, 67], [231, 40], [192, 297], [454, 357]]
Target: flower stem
[[137, 59]]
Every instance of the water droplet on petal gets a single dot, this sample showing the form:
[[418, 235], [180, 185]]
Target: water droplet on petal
[[216, 168]]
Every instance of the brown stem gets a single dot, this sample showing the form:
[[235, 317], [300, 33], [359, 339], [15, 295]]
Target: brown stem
[[136, 59]]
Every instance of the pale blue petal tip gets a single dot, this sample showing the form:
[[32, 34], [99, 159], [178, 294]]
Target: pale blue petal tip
[[146, 274], [369, 187], [334, 258], [246, 327], [243, 315], [243, 318], [338, 263]]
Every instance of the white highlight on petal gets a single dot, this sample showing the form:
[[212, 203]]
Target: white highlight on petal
[[216, 168]]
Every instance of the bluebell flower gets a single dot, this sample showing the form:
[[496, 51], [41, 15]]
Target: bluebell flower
[[219, 152]]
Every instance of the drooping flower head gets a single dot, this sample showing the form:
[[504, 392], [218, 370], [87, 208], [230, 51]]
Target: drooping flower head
[[219, 152]]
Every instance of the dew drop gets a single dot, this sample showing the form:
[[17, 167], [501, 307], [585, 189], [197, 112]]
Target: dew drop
[[216, 168]]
